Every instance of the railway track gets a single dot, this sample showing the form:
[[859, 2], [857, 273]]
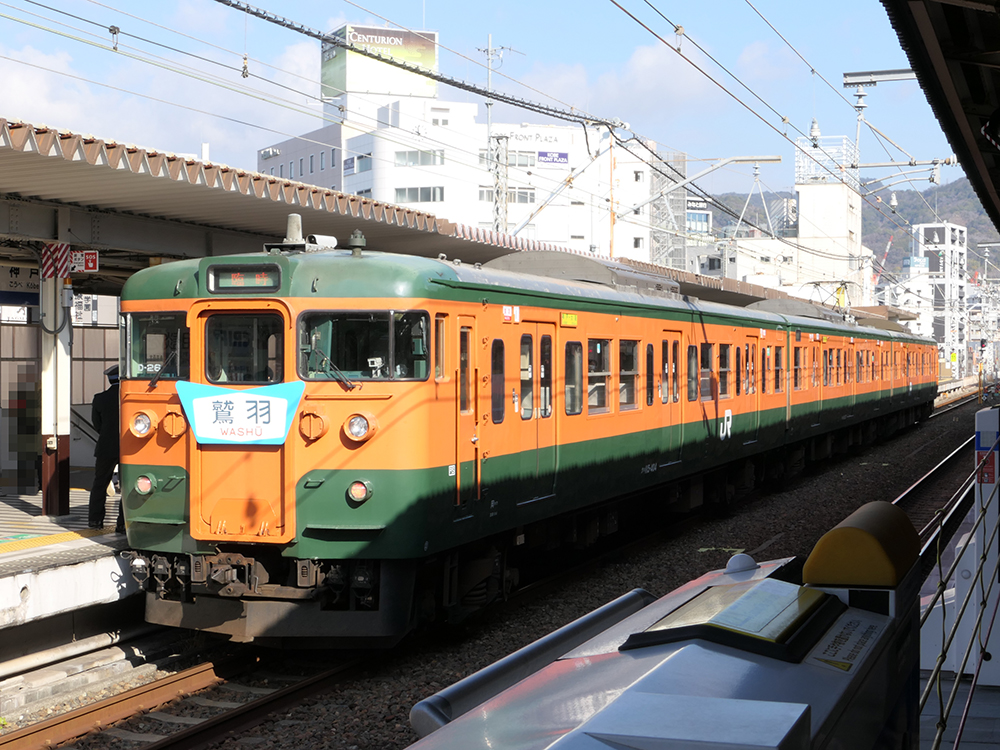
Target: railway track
[[191, 709]]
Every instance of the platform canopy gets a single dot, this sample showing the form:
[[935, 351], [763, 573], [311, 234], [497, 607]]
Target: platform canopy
[[954, 48], [138, 206]]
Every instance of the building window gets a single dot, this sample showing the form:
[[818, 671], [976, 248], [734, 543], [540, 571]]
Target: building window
[[272, 171], [333, 157], [420, 195], [419, 158], [443, 122], [366, 193], [637, 175], [281, 170], [514, 158], [322, 160], [302, 165], [363, 163], [312, 163], [514, 195], [637, 243]]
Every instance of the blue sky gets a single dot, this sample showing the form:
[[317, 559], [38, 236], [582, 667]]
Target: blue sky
[[587, 54]]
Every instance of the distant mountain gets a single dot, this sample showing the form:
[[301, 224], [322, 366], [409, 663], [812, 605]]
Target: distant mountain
[[954, 202]]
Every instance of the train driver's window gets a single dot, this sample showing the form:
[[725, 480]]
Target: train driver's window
[[692, 373], [497, 384], [628, 365], [598, 374], [724, 367], [574, 377], [366, 345], [157, 344], [244, 348]]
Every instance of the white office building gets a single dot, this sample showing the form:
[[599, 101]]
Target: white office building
[[393, 140]]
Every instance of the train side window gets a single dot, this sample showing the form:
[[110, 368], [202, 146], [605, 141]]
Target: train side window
[[724, 368], [464, 349], [527, 378], [752, 368], [765, 368], [574, 377], [628, 367], [860, 368], [815, 367], [675, 388], [738, 370], [598, 374], [779, 370], [692, 373], [705, 378], [440, 373], [650, 376], [497, 384], [545, 377], [665, 371], [797, 368]]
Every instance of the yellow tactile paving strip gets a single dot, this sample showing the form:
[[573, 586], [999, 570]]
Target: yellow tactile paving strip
[[18, 545]]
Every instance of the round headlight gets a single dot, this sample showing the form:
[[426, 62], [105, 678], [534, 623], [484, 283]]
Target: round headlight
[[357, 427], [144, 485], [359, 491], [141, 424]]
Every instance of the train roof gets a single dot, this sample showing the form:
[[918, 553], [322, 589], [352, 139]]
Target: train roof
[[540, 277]]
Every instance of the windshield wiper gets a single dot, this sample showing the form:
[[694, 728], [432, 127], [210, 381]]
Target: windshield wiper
[[167, 361], [338, 374]]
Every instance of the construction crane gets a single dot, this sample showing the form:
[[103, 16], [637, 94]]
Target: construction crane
[[885, 257]]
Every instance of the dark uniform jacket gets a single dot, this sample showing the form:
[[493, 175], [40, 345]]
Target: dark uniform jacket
[[105, 418]]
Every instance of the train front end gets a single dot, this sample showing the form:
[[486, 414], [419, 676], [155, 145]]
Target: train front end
[[268, 489]]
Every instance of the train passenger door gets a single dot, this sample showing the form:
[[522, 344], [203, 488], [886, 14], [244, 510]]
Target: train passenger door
[[751, 388], [538, 451], [242, 486], [671, 425], [467, 479]]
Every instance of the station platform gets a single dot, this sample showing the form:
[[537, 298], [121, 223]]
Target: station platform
[[51, 565]]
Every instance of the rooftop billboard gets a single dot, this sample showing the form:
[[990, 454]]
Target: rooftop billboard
[[344, 71]]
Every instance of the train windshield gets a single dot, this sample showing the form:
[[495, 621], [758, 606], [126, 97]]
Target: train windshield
[[364, 345], [157, 345], [244, 348]]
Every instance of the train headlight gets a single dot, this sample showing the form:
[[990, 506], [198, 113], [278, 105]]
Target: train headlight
[[142, 424], [360, 427], [359, 491], [144, 484]]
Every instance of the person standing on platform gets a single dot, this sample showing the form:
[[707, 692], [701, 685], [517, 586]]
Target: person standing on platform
[[105, 417]]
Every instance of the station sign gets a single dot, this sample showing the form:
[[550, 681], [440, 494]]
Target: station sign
[[19, 285]]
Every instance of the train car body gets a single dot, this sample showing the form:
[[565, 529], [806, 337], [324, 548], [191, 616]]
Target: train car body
[[339, 444]]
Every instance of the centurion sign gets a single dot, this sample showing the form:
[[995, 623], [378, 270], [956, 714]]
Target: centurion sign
[[343, 71]]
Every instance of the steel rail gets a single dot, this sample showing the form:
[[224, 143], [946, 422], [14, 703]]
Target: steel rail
[[97, 716], [253, 713]]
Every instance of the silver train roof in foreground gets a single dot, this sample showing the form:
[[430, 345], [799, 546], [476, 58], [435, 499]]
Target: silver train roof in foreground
[[744, 657]]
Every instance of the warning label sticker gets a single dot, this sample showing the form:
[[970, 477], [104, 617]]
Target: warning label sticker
[[847, 643], [986, 461]]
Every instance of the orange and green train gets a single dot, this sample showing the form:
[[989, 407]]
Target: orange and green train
[[340, 443]]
